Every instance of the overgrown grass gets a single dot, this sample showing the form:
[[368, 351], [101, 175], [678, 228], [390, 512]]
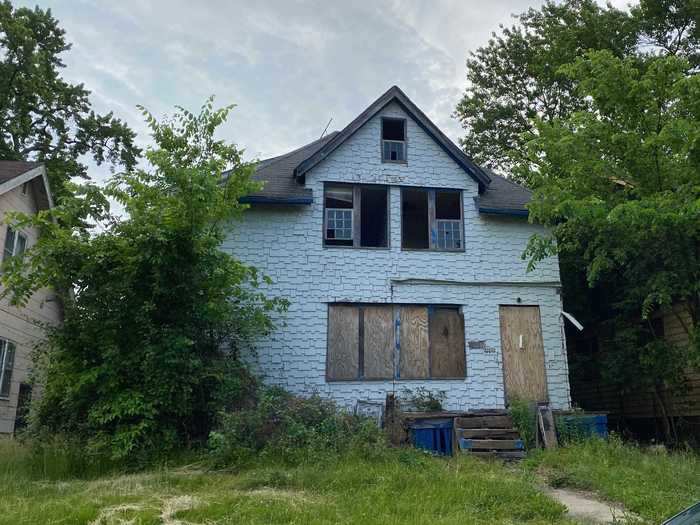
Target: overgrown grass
[[398, 486], [654, 485]]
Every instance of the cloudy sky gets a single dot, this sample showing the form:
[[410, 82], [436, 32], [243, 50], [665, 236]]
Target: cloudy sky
[[290, 66]]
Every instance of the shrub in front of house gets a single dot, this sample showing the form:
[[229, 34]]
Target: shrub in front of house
[[292, 428]]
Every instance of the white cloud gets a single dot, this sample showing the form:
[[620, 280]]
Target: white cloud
[[290, 66]]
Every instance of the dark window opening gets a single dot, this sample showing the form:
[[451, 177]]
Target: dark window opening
[[393, 140], [393, 129], [356, 216], [414, 220], [373, 217], [448, 205]]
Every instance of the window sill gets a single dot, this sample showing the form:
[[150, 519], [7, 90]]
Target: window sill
[[386, 161], [332, 247], [428, 250]]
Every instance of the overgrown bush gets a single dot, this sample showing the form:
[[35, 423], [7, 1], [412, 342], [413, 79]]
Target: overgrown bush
[[156, 314], [423, 400], [524, 416], [292, 428]]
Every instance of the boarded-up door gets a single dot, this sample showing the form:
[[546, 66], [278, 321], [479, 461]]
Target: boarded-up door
[[523, 353]]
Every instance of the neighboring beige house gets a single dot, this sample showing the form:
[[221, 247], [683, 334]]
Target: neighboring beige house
[[24, 188]]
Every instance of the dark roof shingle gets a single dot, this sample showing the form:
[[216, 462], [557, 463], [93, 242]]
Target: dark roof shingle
[[504, 196], [9, 169]]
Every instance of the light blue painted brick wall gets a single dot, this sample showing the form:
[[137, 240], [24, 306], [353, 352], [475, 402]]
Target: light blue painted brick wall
[[286, 244]]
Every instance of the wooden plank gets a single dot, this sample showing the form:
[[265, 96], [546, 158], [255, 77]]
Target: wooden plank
[[447, 358], [523, 353], [471, 433], [545, 421], [342, 360], [517, 454], [414, 361], [379, 342], [484, 422], [491, 444]]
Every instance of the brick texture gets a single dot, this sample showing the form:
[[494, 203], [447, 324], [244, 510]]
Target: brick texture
[[286, 244]]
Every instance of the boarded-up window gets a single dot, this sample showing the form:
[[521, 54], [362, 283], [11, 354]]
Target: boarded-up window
[[363, 344], [343, 343], [447, 357], [414, 358], [378, 342]]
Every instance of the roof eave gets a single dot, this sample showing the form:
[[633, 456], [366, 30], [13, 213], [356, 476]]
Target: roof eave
[[262, 199], [515, 212]]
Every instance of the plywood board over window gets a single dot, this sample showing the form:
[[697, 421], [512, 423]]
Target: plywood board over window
[[447, 358], [378, 342], [342, 360], [414, 362]]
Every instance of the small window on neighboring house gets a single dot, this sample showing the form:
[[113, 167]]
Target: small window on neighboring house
[[431, 219], [25, 187], [7, 360], [356, 216], [393, 139], [15, 243], [384, 341]]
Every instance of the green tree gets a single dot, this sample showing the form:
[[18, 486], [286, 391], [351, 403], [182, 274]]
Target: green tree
[[618, 183], [517, 76], [156, 314], [42, 116]]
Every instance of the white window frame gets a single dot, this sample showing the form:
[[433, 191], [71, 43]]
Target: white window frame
[[5, 345], [15, 242], [325, 229]]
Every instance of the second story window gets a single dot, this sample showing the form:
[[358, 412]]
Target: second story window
[[431, 219], [393, 139], [355, 216], [15, 243]]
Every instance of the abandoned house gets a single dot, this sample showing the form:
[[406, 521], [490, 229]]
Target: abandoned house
[[23, 188], [401, 259]]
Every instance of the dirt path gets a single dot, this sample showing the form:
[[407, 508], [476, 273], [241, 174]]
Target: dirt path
[[587, 508]]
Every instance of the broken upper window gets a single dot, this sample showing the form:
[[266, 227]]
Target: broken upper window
[[363, 343], [356, 216], [393, 139], [431, 219]]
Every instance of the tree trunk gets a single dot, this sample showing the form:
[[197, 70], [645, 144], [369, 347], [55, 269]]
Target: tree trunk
[[669, 436]]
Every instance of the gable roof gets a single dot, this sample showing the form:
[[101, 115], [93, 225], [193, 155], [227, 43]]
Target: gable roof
[[394, 94], [284, 175], [14, 173]]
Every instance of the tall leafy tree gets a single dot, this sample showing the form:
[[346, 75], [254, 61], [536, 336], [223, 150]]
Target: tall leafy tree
[[43, 117], [618, 184], [517, 76], [156, 314]]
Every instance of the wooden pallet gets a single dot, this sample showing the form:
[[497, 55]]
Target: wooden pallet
[[488, 435]]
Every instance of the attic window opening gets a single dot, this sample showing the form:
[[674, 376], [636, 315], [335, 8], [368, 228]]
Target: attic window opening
[[393, 139], [356, 216]]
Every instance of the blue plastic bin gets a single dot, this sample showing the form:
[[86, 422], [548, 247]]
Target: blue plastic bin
[[433, 435], [587, 425]]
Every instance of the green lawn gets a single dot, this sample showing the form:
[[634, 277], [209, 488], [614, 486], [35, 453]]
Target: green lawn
[[399, 486], [654, 485]]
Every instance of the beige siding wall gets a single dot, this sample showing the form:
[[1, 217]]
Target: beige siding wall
[[22, 326]]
